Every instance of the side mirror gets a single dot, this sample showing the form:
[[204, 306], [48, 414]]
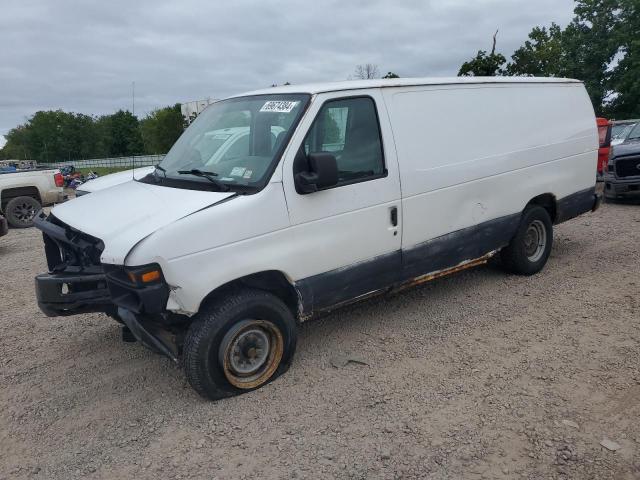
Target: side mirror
[[323, 173]]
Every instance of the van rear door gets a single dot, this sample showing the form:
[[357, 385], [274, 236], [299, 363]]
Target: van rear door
[[349, 234]]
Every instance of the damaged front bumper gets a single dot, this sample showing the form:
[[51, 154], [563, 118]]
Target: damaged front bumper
[[63, 294], [150, 334], [78, 283]]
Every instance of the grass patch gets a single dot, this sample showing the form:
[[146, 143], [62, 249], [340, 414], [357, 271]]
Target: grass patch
[[102, 171]]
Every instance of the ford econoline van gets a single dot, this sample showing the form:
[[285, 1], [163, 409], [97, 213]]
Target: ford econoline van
[[278, 205]]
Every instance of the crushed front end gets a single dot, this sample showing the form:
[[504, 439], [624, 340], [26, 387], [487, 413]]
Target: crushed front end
[[77, 282]]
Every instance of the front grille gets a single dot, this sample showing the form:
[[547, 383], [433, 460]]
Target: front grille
[[628, 166]]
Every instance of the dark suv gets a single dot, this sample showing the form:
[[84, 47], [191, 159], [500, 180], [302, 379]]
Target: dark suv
[[622, 175]]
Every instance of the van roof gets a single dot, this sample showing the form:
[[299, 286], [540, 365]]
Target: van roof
[[400, 82]]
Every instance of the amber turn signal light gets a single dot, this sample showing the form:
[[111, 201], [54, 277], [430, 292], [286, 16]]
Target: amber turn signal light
[[140, 276], [151, 276]]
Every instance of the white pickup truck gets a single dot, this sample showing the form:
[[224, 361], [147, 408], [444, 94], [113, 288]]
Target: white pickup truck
[[24, 192]]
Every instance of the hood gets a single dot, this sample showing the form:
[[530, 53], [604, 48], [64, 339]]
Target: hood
[[123, 215], [629, 147], [113, 179]]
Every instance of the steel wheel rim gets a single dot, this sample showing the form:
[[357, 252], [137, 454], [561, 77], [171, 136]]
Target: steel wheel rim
[[535, 241], [24, 212], [250, 353]]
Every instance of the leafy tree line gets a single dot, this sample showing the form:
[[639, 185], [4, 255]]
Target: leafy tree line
[[56, 136], [601, 47]]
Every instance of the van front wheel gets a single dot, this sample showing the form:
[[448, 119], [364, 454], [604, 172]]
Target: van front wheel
[[239, 343], [530, 247]]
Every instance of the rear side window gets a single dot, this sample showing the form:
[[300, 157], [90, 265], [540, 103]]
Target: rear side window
[[349, 129]]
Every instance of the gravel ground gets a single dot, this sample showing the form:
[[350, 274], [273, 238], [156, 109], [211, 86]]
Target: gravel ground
[[478, 375]]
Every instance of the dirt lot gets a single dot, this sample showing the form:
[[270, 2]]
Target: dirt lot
[[479, 375]]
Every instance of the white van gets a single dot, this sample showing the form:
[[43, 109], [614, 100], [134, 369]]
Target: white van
[[339, 191]]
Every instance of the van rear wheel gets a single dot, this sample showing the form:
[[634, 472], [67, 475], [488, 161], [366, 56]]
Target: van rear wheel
[[530, 247], [239, 343]]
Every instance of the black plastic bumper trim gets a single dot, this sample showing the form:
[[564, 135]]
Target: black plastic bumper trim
[[144, 334], [576, 204], [85, 293], [149, 299]]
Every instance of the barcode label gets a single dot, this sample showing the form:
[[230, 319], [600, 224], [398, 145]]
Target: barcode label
[[279, 106]]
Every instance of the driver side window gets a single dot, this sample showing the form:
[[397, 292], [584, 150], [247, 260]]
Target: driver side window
[[349, 129]]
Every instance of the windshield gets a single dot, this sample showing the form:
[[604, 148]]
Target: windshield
[[621, 131], [234, 143], [617, 130], [635, 133]]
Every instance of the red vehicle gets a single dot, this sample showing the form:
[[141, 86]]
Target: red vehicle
[[604, 135]]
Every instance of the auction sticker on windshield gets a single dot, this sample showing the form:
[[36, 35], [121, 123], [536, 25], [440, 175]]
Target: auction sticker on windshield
[[279, 106], [237, 171]]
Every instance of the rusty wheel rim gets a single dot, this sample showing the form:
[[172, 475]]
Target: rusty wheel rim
[[250, 353]]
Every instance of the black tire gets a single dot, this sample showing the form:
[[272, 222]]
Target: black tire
[[21, 211], [530, 247], [208, 354]]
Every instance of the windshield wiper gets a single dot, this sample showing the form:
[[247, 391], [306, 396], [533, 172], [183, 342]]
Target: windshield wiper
[[158, 167], [208, 175]]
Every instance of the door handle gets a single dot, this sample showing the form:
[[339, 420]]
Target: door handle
[[393, 212]]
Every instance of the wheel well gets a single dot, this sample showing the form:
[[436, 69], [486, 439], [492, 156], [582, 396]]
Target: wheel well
[[548, 202], [9, 193], [272, 281]]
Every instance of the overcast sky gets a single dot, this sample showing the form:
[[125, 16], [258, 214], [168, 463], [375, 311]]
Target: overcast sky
[[82, 56]]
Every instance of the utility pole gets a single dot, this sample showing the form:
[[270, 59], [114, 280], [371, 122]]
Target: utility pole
[[133, 112]]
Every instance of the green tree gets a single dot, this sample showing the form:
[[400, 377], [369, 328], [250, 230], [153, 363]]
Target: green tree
[[541, 55], [119, 135], [483, 64], [161, 128], [78, 137], [584, 50], [624, 80], [50, 136], [590, 46], [391, 75], [16, 146]]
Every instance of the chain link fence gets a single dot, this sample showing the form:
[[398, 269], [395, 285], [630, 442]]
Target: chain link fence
[[116, 162]]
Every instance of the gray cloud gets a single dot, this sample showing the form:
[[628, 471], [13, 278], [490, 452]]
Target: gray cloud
[[82, 56]]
